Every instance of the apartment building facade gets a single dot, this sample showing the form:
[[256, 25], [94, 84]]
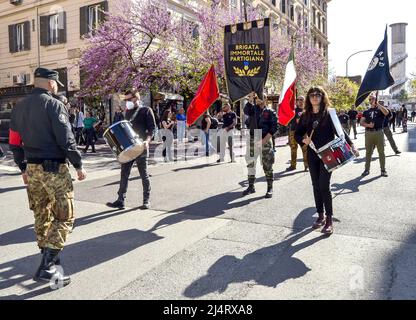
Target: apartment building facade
[[47, 33]]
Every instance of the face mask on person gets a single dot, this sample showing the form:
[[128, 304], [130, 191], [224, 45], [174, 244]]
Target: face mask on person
[[129, 105]]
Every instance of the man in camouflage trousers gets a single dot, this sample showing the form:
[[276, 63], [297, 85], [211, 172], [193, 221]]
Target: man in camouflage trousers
[[42, 142], [264, 120]]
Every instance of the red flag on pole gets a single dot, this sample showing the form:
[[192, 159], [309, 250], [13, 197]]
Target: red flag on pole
[[208, 92]]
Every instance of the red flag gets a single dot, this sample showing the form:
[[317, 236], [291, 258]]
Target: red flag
[[288, 96], [206, 95]]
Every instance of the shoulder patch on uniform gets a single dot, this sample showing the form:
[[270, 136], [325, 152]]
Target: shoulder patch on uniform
[[63, 119]]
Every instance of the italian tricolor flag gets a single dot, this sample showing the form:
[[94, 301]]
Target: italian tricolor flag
[[288, 95]]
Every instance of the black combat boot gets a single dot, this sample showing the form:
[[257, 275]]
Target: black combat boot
[[250, 188], [269, 193], [48, 270], [119, 204]]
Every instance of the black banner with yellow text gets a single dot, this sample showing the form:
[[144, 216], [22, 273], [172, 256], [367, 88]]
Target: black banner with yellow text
[[246, 56]]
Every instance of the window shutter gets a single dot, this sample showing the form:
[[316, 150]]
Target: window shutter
[[62, 27], [83, 20], [27, 35], [12, 38], [44, 30]]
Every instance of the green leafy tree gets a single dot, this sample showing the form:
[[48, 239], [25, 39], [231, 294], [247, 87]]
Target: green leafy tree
[[342, 93]]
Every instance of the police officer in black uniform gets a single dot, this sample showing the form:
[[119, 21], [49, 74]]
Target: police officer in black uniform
[[42, 141], [143, 121], [263, 119]]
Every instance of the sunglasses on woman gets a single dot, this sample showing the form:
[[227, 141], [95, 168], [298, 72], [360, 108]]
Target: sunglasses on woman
[[315, 95]]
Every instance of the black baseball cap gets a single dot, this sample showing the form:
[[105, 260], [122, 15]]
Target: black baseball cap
[[48, 74]]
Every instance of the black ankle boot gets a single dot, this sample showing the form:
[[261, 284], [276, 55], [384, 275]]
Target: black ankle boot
[[250, 188], [269, 193], [48, 270], [58, 259]]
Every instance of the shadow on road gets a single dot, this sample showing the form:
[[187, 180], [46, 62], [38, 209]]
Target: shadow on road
[[269, 266], [11, 189], [27, 234], [75, 258], [207, 208], [351, 185]]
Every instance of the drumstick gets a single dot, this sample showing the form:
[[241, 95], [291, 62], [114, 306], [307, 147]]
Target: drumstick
[[314, 126]]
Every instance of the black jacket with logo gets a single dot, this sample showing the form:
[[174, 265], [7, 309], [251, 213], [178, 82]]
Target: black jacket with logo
[[43, 125], [265, 119]]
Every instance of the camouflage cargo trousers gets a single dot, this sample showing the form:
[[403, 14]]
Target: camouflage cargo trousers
[[267, 159], [294, 151], [51, 198]]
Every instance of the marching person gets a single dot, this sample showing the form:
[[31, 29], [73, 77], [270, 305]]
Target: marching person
[[316, 110], [229, 119], [264, 119], [345, 121], [413, 115], [300, 105], [42, 141], [352, 114], [387, 131], [372, 121], [392, 121], [143, 122], [208, 123]]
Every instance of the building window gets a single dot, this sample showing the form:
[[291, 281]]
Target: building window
[[319, 21], [305, 2], [233, 4], [292, 12], [323, 26], [306, 28], [314, 16], [19, 37], [274, 2], [53, 29], [283, 6], [92, 16], [299, 19]]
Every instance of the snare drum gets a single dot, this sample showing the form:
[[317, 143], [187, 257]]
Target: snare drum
[[335, 154], [124, 141]]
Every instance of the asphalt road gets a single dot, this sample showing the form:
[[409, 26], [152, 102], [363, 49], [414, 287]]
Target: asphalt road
[[202, 240]]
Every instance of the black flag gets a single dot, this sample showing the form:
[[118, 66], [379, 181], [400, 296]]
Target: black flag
[[378, 75], [246, 57]]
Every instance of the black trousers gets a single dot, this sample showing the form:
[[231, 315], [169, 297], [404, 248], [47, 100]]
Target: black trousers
[[141, 162], [89, 134], [321, 181]]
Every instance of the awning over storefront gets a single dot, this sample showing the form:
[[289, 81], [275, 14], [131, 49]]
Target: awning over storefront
[[168, 96]]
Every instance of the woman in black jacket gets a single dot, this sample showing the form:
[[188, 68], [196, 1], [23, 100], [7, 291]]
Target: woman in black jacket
[[316, 111]]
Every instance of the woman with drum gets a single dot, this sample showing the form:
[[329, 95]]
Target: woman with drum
[[316, 127]]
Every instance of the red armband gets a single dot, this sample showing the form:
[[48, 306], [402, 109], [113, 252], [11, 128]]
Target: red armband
[[14, 138]]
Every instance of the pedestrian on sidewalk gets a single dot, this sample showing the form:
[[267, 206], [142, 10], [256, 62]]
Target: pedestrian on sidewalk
[[352, 114], [264, 119], [42, 142], [316, 110], [373, 121], [345, 121], [79, 126], [208, 123], [167, 135], [392, 122], [387, 131], [229, 119], [404, 119], [89, 128], [300, 106], [413, 115], [143, 122], [181, 125]]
